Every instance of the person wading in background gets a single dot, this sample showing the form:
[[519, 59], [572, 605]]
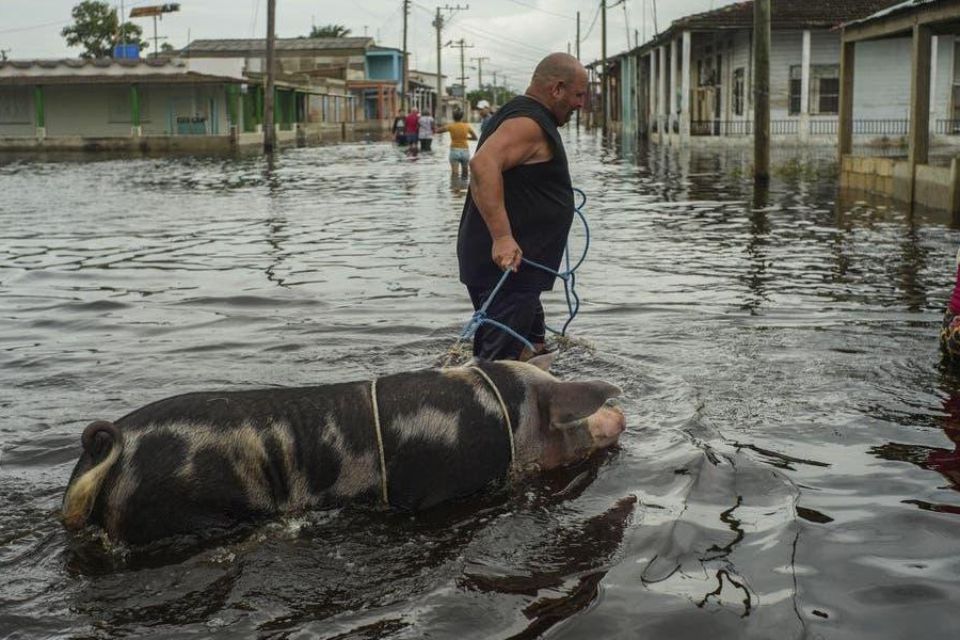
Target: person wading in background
[[426, 131], [459, 132], [520, 203]]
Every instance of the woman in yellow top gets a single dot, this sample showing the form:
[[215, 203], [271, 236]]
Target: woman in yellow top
[[459, 132]]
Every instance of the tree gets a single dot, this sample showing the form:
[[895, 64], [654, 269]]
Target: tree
[[97, 29], [503, 95], [329, 31]]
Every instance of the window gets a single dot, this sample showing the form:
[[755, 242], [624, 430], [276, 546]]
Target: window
[[825, 89], [738, 87], [795, 89], [15, 105], [829, 99]]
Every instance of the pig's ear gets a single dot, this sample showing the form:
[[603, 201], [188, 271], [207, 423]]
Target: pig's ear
[[543, 362], [570, 401]]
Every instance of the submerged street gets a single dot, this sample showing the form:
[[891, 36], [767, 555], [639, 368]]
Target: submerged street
[[788, 467]]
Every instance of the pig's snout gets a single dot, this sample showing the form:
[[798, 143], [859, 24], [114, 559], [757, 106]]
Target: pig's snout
[[606, 425]]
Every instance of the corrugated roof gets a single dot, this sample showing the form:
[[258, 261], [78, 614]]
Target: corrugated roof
[[98, 63], [246, 45], [785, 14], [896, 8]]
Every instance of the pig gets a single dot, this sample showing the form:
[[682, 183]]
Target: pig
[[204, 463]]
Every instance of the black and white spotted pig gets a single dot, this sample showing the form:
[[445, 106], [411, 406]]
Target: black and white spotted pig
[[204, 462]]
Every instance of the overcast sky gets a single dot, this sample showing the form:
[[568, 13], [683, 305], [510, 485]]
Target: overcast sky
[[512, 34]]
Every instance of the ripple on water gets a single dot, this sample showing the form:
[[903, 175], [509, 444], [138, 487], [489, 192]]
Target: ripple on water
[[789, 464]]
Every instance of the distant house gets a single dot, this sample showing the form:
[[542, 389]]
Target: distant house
[[118, 104], [320, 69], [693, 82], [383, 87], [919, 27], [209, 97]]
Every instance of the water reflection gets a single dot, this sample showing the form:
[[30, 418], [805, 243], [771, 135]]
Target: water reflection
[[757, 278], [943, 460]]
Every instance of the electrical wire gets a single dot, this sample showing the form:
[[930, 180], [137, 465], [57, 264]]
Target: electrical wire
[[549, 13], [593, 23], [36, 26]]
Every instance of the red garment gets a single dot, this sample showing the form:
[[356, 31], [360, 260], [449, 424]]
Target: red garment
[[955, 298], [412, 123]]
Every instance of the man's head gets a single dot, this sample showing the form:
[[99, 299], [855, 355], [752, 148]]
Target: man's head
[[560, 83], [484, 108]]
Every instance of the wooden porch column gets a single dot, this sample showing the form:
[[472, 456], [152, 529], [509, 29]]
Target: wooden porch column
[[652, 107], [674, 61], [685, 89], [40, 112], [761, 91], [662, 90], [845, 124], [920, 97]]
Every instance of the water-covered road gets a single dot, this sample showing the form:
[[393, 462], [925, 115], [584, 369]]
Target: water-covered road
[[788, 469]]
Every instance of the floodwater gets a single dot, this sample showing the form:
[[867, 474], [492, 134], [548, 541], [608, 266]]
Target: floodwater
[[789, 469]]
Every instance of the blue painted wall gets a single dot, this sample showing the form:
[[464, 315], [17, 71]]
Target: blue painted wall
[[384, 66]]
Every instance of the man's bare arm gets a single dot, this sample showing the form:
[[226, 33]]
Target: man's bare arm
[[516, 141]]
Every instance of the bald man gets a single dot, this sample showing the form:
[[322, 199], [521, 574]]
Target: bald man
[[520, 204]]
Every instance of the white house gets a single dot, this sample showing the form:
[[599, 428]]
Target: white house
[[693, 82]]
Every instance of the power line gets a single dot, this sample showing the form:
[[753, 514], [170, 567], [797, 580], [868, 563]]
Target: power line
[[593, 23], [509, 41], [550, 13], [36, 26]]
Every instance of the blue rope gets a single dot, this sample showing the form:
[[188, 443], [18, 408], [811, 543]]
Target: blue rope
[[568, 276]]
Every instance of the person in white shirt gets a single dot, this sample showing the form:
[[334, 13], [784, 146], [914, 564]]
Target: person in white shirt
[[485, 114], [426, 131]]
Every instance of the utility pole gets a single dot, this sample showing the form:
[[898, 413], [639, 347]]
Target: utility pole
[[494, 89], [761, 91], [269, 133], [438, 25], [461, 44], [406, 73], [605, 79], [480, 60], [578, 57]]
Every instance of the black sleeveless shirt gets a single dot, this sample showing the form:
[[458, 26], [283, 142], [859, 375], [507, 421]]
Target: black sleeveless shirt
[[539, 203]]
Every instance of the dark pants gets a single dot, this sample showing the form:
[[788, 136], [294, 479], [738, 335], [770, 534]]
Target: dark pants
[[425, 144], [519, 310]]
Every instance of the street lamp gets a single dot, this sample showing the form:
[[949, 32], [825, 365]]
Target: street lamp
[[155, 11]]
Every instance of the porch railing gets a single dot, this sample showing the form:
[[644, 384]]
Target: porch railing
[[741, 127], [873, 127], [947, 127]]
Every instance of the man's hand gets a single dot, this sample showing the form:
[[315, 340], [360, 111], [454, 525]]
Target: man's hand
[[506, 253]]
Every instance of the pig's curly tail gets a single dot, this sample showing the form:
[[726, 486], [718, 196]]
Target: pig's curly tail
[[83, 490]]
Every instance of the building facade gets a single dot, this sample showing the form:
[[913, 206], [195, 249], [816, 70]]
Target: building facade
[[694, 82]]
